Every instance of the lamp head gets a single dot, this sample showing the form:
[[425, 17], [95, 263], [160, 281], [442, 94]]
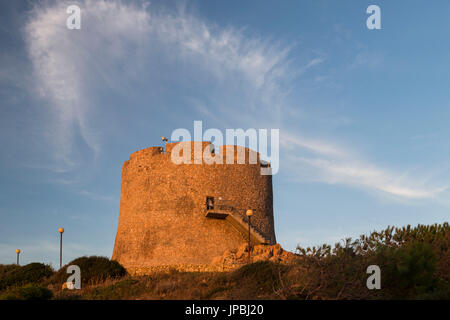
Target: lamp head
[[164, 139], [249, 212], [18, 250], [61, 230]]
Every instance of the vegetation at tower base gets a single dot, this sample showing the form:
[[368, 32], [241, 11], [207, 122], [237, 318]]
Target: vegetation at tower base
[[25, 282], [12, 275], [28, 292], [93, 269], [414, 263]]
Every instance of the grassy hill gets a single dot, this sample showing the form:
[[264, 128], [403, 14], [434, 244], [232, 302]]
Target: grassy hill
[[414, 264]]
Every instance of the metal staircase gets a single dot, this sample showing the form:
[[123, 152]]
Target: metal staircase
[[228, 210]]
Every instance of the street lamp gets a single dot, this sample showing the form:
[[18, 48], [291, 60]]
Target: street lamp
[[249, 214], [61, 231], [18, 253]]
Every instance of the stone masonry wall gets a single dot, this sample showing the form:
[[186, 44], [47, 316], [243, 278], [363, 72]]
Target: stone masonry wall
[[162, 208]]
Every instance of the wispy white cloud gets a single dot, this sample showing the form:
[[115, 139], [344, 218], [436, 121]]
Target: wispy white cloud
[[369, 60], [310, 64], [118, 42], [65, 61], [290, 142], [251, 78], [330, 163], [250, 73]]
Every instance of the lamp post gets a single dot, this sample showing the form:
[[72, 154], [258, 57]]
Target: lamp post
[[249, 214], [61, 231], [18, 253]]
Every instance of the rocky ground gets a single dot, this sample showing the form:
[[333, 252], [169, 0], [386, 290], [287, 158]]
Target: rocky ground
[[233, 259]]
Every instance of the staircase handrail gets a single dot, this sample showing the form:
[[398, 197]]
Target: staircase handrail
[[231, 205]]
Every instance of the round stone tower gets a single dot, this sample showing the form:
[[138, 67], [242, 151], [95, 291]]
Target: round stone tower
[[187, 214]]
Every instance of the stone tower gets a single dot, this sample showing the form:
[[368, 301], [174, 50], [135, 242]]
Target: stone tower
[[187, 214]]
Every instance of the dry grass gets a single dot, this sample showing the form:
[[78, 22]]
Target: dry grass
[[257, 281], [415, 264]]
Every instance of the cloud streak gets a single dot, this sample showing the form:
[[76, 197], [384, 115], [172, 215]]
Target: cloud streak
[[332, 164], [121, 42], [65, 61], [70, 64]]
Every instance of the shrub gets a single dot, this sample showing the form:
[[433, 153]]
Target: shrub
[[30, 273], [408, 271], [414, 264], [28, 292], [6, 268], [93, 269]]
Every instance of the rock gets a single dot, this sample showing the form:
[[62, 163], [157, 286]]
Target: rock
[[227, 253], [258, 258], [277, 250], [232, 259], [242, 251]]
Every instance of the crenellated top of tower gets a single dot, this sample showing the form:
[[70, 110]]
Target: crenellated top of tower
[[198, 150]]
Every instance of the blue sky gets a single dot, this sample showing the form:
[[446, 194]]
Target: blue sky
[[363, 114]]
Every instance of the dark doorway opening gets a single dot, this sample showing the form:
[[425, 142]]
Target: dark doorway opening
[[209, 203]]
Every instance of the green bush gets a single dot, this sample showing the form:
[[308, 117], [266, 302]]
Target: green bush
[[6, 268], [408, 271], [414, 264], [93, 269], [30, 273], [28, 292]]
